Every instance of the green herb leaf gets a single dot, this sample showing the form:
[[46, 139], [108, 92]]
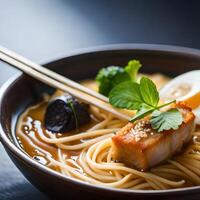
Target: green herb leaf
[[132, 69], [70, 103], [143, 111], [109, 77], [126, 95], [171, 119], [120, 85], [149, 92]]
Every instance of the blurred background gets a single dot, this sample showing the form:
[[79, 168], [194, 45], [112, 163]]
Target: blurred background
[[43, 30]]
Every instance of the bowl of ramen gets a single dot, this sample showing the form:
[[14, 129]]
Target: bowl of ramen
[[68, 148]]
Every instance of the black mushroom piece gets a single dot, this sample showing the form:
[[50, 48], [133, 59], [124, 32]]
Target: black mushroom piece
[[65, 113]]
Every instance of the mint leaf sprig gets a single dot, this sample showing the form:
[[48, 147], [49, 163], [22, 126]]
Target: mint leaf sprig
[[144, 98]]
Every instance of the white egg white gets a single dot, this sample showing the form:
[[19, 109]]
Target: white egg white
[[181, 88]]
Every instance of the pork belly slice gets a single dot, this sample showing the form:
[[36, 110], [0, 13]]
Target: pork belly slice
[[139, 146]]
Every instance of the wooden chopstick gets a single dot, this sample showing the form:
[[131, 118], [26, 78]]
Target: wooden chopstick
[[57, 81], [52, 74]]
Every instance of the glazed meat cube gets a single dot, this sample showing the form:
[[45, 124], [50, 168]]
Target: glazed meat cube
[[139, 146]]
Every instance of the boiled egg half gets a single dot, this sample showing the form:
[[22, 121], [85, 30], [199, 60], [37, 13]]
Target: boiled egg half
[[186, 88]]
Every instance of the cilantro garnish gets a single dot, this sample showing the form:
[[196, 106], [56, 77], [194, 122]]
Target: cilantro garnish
[[170, 119]]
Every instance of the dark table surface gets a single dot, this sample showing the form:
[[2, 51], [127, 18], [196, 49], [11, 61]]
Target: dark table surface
[[43, 30]]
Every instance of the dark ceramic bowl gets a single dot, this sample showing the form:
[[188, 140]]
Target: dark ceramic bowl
[[20, 91]]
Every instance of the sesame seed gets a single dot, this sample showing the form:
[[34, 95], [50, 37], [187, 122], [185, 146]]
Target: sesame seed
[[140, 131]]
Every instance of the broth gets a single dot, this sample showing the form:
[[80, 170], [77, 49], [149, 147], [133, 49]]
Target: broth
[[33, 125]]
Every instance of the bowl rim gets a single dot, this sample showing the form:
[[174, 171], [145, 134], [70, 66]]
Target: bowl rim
[[97, 49], [125, 46]]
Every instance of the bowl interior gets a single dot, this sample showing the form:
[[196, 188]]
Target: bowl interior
[[23, 91]]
